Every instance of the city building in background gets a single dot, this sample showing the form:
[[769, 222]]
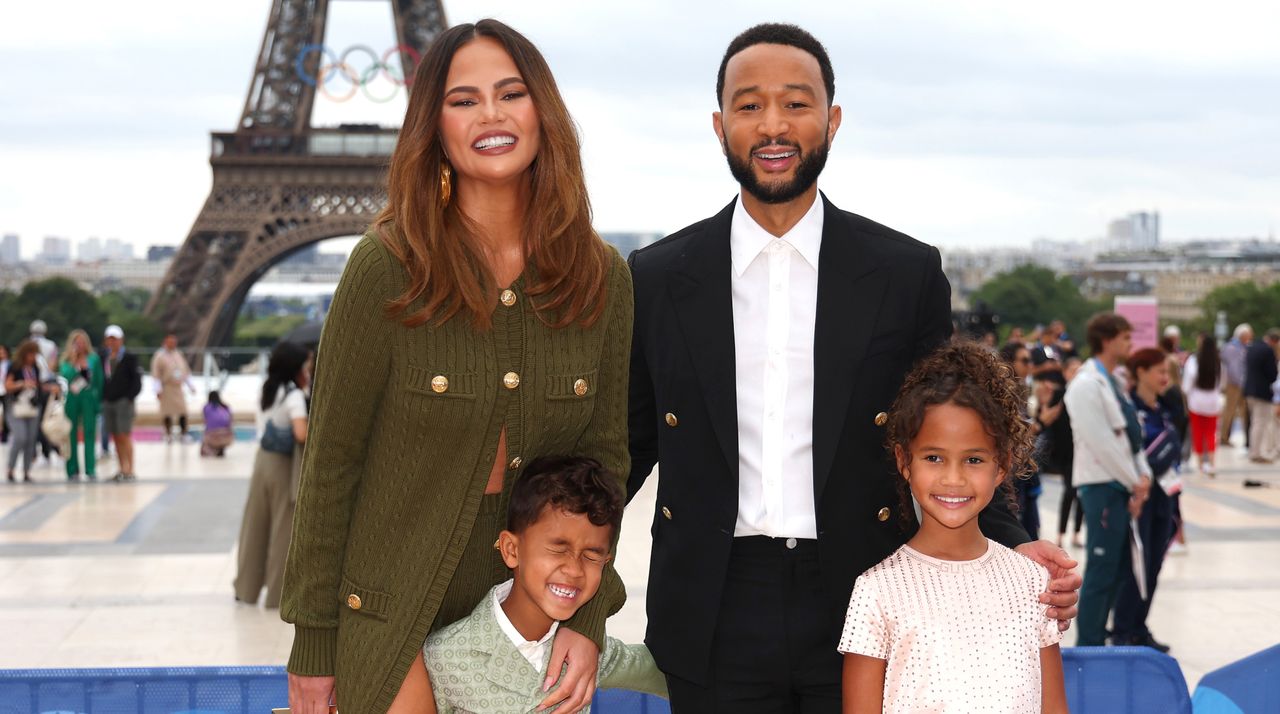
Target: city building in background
[[627, 242], [55, 251], [10, 249], [1136, 232]]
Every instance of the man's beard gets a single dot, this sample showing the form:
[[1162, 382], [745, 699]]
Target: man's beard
[[807, 171]]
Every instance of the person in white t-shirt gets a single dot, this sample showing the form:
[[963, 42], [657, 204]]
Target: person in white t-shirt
[[268, 512], [1203, 381], [953, 621]]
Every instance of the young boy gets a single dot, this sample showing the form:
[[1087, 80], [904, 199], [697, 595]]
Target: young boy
[[563, 516]]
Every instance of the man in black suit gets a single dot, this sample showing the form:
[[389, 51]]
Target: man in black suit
[[769, 342], [123, 383]]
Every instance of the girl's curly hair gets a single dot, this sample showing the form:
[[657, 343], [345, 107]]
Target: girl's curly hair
[[966, 374]]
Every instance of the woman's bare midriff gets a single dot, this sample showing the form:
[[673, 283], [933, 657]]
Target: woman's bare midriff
[[499, 470]]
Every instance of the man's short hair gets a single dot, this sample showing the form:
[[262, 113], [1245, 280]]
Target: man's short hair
[[574, 484], [1241, 329], [1273, 335], [1103, 327], [775, 33]]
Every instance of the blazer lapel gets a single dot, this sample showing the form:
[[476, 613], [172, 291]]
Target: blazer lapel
[[851, 285], [703, 298]]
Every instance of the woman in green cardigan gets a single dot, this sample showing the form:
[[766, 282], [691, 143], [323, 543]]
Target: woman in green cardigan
[[479, 324], [81, 369]]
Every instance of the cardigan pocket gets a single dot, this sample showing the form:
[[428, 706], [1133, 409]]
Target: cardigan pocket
[[570, 401], [575, 386], [364, 601], [441, 384]]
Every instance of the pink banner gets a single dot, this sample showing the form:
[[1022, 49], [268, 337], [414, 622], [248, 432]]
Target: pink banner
[[1144, 314]]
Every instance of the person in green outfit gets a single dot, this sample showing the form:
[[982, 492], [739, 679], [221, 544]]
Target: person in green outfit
[[82, 371], [480, 323]]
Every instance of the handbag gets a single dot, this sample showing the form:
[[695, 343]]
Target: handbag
[[55, 424], [275, 439], [24, 405], [1164, 452]]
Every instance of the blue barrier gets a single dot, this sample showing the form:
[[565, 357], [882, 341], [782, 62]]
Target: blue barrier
[[1101, 680], [1104, 680], [196, 690], [1249, 686], [162, 690]]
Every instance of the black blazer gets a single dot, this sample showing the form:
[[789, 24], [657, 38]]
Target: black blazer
[[883, 302], [125, 381], [1259, 370]]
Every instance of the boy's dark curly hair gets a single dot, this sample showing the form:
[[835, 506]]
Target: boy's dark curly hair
[[574, 484], [966, 374]]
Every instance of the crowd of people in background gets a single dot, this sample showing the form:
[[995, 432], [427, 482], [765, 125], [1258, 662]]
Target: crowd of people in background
[[57, 403], [1121, 426]]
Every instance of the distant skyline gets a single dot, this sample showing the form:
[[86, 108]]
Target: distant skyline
[[978, 124]]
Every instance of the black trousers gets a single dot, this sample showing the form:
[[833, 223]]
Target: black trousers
[[774, 650]]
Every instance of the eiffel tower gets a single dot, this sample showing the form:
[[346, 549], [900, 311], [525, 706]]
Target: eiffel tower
[[278, 183]]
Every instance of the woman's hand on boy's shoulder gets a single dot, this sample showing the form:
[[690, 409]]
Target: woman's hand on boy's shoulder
[[578, 683], [1064, 582]]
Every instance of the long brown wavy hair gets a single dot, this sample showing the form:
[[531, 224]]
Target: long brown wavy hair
[[439, 247]]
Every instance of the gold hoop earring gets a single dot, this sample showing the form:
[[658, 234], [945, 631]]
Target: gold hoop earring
[[446, 184]]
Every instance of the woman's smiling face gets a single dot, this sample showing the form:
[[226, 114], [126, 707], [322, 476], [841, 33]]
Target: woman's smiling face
[[489, 126]]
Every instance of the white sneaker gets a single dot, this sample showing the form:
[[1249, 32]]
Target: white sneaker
[[1177, 548]]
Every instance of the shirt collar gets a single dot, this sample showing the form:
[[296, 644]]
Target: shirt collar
[[747, 239], [500, 594]]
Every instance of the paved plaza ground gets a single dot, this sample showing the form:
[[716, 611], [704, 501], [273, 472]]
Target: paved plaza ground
[[139, 574]]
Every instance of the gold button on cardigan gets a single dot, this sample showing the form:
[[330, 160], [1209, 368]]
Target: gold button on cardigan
[[395, 468]]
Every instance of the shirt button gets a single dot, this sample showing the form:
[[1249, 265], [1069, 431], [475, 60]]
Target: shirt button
[[666, 512], [515, 463], [508, 297], [353, 601], [439, 384], [672, 421], [883, 514], [791, 544], [511, 380], [580, 387], [882, 419]]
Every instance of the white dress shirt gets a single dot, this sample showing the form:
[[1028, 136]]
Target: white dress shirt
[[775, 304], [535, 652]]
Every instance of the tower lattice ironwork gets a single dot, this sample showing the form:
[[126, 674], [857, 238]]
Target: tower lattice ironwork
[[278, 183]]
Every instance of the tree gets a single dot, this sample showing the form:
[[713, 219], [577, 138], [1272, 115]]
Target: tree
[[1032, 295], [125, 308], [1244, 301], [60, 303]]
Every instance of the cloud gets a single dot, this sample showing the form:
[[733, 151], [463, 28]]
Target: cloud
[[989, 121]]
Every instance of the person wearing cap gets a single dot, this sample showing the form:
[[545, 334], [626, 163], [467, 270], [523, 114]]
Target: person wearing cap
[[123, 384], [47, 354]]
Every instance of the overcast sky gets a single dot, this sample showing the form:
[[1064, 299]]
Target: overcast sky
[[969, 123]]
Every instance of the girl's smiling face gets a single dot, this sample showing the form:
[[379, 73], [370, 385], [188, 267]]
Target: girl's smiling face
[[953, 468]]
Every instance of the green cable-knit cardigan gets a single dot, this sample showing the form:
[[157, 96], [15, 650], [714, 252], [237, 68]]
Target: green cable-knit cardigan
[[402, 436]]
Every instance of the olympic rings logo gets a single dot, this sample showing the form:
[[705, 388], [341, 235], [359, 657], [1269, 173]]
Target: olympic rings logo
[[334, 66]]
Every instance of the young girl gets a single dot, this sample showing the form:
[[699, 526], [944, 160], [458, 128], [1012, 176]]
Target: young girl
[[951, 621]]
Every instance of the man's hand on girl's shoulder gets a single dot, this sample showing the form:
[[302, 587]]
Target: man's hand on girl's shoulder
[[1064, 582]]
